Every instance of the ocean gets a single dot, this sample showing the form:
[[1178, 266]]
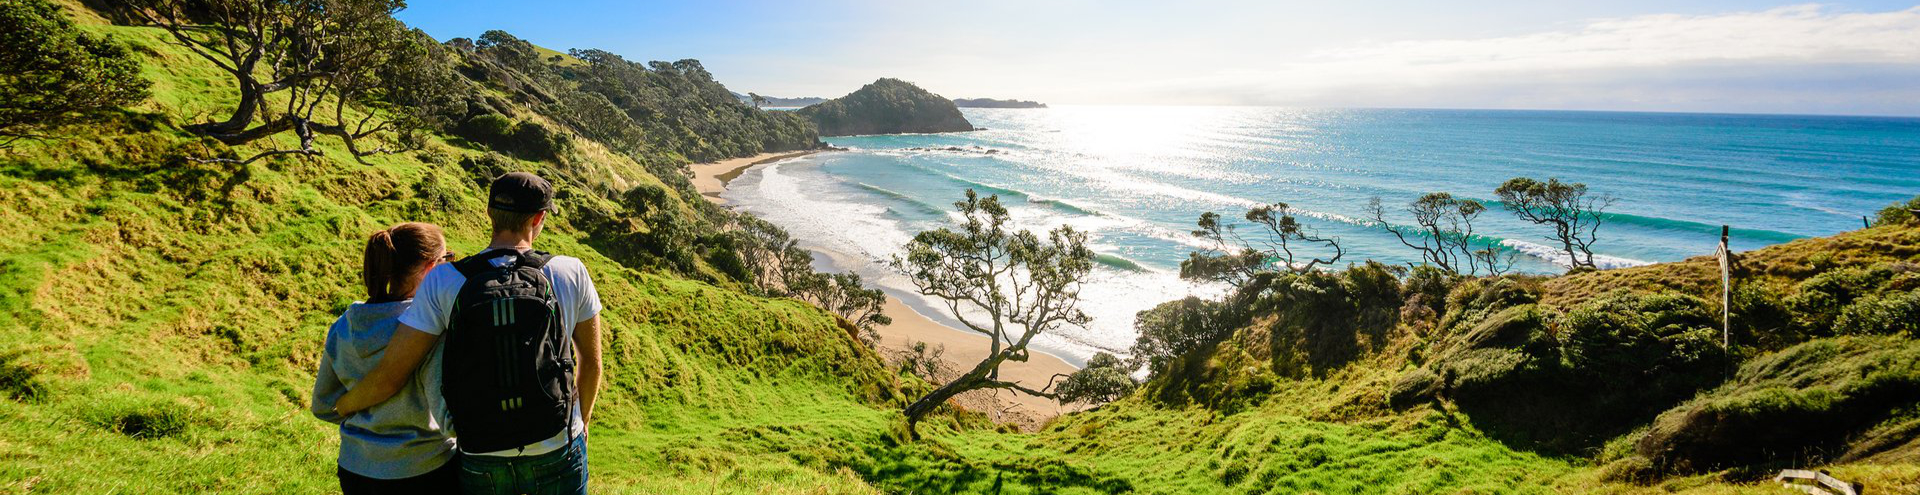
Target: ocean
[[1137, 178]]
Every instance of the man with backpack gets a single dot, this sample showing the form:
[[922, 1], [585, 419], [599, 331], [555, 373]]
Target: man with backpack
[[511, 318]]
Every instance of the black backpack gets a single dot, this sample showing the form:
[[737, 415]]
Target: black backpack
[[507, 372]]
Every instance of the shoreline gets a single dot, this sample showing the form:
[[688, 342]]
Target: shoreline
[[710, 178], [964, 348]]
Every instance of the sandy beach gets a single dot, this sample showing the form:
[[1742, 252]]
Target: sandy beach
[[711, 178], [964, 348]]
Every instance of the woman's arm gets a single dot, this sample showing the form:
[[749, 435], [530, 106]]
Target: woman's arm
[[404, 353], [326, 386]]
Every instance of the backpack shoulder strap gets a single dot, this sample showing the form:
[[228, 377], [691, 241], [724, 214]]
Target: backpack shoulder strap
[[479, 262], [535, 258]]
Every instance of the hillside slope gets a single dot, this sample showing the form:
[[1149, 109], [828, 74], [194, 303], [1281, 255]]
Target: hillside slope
[[164, 315]]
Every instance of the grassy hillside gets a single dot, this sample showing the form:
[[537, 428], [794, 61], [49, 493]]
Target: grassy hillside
[[164, 319], [164, 316]]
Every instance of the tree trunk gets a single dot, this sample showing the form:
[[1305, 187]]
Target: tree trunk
[[970, 381], [229, 131]]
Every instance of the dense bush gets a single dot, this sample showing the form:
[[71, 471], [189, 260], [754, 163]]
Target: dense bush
[[1798, 406], [1651, 349], [1818, 303], [1894, 313], [485, 129], [529, 140], [52, 74], [1175, 328], [1105, 379], [1899, 213], [1586, 376], [1323, 320]]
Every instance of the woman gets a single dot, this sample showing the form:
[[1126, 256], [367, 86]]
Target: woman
[[401, 445]]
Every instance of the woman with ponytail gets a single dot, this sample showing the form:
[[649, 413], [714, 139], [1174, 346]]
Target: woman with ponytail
[[401, 445]]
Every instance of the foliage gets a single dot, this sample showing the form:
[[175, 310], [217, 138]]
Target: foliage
[[1235, 260], [1574, 215], [1821, 301], [1176, 328], [1444, 226], [528, 139], [1805, 402], [54, 75], [1104, 379], [1899, 213], [679, 109], [842, 294], [928, 363], [886, 106], [1893, 313], [333, 60], [1024, 287]]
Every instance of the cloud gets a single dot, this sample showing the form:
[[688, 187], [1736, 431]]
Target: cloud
[[1802, 58]]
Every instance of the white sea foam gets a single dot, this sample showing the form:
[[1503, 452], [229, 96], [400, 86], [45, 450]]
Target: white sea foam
[[807, 207], [1559, 257]]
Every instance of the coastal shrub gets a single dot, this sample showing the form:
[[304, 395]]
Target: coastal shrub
[[489, 129], [1588, 375], [1429, 286], [928, 363], [1761, 319], [1795, 407], [1818, 301], [1175, 328], [57, 75], [534, 141], [483, 168], [1894, 313], [1899, 213], [528, 140], [1662, 344], [1478, 298], [1105, 379]]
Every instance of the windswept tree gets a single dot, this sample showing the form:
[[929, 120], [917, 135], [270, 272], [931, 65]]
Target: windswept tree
[[758, 101], [843, 295], [1443, 227], [1574, 213], [1010, 285], [52, 74], [1280, 243], [340, 66], [779, 266]]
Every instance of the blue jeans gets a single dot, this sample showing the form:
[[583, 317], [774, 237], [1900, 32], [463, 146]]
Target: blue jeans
[[561, 472]]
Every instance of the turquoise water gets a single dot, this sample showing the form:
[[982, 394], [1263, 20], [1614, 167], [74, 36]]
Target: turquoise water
[[1136, 178]]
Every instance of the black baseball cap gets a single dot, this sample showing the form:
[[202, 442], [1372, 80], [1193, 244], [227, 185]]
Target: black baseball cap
[[520, 192]]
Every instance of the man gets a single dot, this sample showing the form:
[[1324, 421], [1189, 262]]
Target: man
[[513, 318]]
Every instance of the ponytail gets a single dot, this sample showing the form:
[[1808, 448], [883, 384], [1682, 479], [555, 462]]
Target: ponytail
[[397, 258]]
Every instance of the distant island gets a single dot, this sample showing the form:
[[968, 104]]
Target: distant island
[[887, 106], [776, 101], [993, 103]]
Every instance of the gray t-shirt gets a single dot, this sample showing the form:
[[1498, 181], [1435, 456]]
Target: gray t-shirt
[[572, 289]]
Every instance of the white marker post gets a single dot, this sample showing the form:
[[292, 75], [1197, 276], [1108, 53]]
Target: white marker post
[[1726, 290]]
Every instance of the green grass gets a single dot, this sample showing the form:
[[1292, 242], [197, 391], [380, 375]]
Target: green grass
[[164, 318]]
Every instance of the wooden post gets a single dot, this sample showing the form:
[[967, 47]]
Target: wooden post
[[1864, 223], [1726, 290]]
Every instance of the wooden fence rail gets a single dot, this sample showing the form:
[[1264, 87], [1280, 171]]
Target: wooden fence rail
[[1820, 483]]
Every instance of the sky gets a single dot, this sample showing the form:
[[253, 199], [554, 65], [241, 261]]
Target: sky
[[1847, 57]]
